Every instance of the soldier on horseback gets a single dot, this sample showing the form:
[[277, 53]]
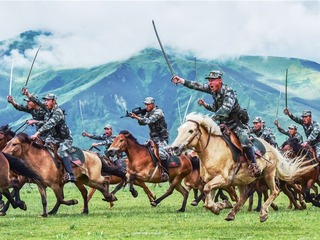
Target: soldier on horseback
[[54, 124], [226, 111], [107, 138], [291, 132], [311, 129], [262, 131], [159, 134]]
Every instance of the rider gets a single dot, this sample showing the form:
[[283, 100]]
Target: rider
[[261, 131], [159, 134], [57, 132], [226, 110], [107, 138], [291, 133], [33, 108], [311, 129]]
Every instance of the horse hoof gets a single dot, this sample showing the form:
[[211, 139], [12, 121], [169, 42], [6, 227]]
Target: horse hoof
[[23, 206], [227, 204], [181, 210], [44, 215], [134, 194], [85, 212], [110, 198], [2, 214], [229, 217], [153, 204], [194, 203]]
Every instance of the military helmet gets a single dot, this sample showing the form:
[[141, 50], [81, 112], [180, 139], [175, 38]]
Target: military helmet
[[149, 100], [292, 126], [107, 126], [257, 120], [50, 96], [214, 74], [306, 113]]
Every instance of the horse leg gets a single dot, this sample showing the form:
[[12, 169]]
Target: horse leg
[[91, 192], [151, 195], [198, 199], [258, 208], [134, 192], [84, 194], [58, 191], [43, 194], [250, 203], [274, 192], [236, 208]]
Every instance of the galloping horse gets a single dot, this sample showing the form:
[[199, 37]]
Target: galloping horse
[[141, 168], [292, 148], [202, 134], [40, 159]]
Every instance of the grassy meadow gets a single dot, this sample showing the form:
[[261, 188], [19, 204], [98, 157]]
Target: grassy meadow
[[134, 218]]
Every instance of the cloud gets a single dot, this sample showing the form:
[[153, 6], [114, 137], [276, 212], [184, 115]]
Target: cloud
[[89, 33]]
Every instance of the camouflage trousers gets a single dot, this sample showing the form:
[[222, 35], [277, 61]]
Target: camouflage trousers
[[317, 149], [65, 146], [162, 145], [243, 135]]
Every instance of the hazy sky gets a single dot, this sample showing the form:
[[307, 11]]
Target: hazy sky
[[88, 33]]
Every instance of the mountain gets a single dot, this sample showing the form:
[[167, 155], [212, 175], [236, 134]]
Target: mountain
[[106, 91]]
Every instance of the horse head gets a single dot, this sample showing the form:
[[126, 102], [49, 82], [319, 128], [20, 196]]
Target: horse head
[[191, 131], [15, 145], [6, 134], [120, 143]]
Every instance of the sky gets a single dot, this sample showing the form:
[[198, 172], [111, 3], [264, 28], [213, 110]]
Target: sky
[[89, 33]]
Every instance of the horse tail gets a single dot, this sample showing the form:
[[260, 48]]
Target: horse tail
[[290, 168], [19, 167]]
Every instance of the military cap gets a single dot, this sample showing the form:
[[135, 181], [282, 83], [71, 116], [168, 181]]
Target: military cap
[[149, 100], [306, 113], [257, 120], [107, 126], [214, 74], [50, 96], [292, 126]]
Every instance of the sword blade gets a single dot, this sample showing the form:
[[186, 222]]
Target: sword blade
[[286, 88], [10, 85], [81, 115], [162, 49], [278, 105], [34, 59]]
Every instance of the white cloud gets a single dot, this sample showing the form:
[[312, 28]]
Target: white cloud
[[88, 33]]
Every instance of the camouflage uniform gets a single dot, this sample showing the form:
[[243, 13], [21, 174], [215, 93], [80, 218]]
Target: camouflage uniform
[[225, 106], [312, 132], [266, 134], [58, 132], [36, 114], [158, 129], [286, 132]]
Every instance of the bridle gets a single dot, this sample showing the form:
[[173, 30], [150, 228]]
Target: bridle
[[197, 134]]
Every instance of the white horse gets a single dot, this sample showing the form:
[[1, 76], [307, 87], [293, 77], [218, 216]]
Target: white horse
[[202, 134]]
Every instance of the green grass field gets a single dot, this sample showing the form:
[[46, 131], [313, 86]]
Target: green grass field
[[134, 218]]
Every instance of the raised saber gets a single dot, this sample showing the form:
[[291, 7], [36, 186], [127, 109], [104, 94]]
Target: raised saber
[[81, 115], [11, 73], [278, 105], [250, 96], [286, 88], [162, 49], [34, 59]]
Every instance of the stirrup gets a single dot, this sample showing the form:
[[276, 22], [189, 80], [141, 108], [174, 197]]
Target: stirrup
[[164, 176], [69, 178]]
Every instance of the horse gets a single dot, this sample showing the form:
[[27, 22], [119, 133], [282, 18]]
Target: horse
[[141, 167], [89, 173], [292, 148], [202, 134]]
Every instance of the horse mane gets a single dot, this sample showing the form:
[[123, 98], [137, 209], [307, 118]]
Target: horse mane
[[206, 121], [23, 137], [129, 135], [296, 147]]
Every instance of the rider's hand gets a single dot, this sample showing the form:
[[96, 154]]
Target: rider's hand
[[286, 112], [177, 79], [276, 122], [201, 102], [10, 99], [35, 136], [31, 122]]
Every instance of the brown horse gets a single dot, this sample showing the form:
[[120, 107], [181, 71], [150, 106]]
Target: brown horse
[[292, 148], [40, 159], [203, 135], [141, 168]]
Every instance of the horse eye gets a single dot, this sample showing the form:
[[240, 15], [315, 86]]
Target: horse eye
[[190, 131]]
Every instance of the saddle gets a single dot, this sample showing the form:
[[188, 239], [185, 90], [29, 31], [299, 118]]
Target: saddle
[[237, 151]]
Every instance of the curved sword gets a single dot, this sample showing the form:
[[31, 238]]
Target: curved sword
[[34, 59]]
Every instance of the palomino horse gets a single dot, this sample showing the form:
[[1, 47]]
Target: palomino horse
[[292, 148], [40, 159], [203, 135], [141, 168]]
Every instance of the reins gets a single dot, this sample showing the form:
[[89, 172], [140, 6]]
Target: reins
[[199, 130]]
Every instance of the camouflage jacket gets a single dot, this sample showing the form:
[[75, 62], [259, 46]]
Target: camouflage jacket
[[266, 134], [286, 132], [225, 103], [107, 141], [157, 124], [37, 114], [312, 131], [55, 124]]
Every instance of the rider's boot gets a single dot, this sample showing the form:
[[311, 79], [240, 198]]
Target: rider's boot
[[69, 177], [165, 172], [253, 167]]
